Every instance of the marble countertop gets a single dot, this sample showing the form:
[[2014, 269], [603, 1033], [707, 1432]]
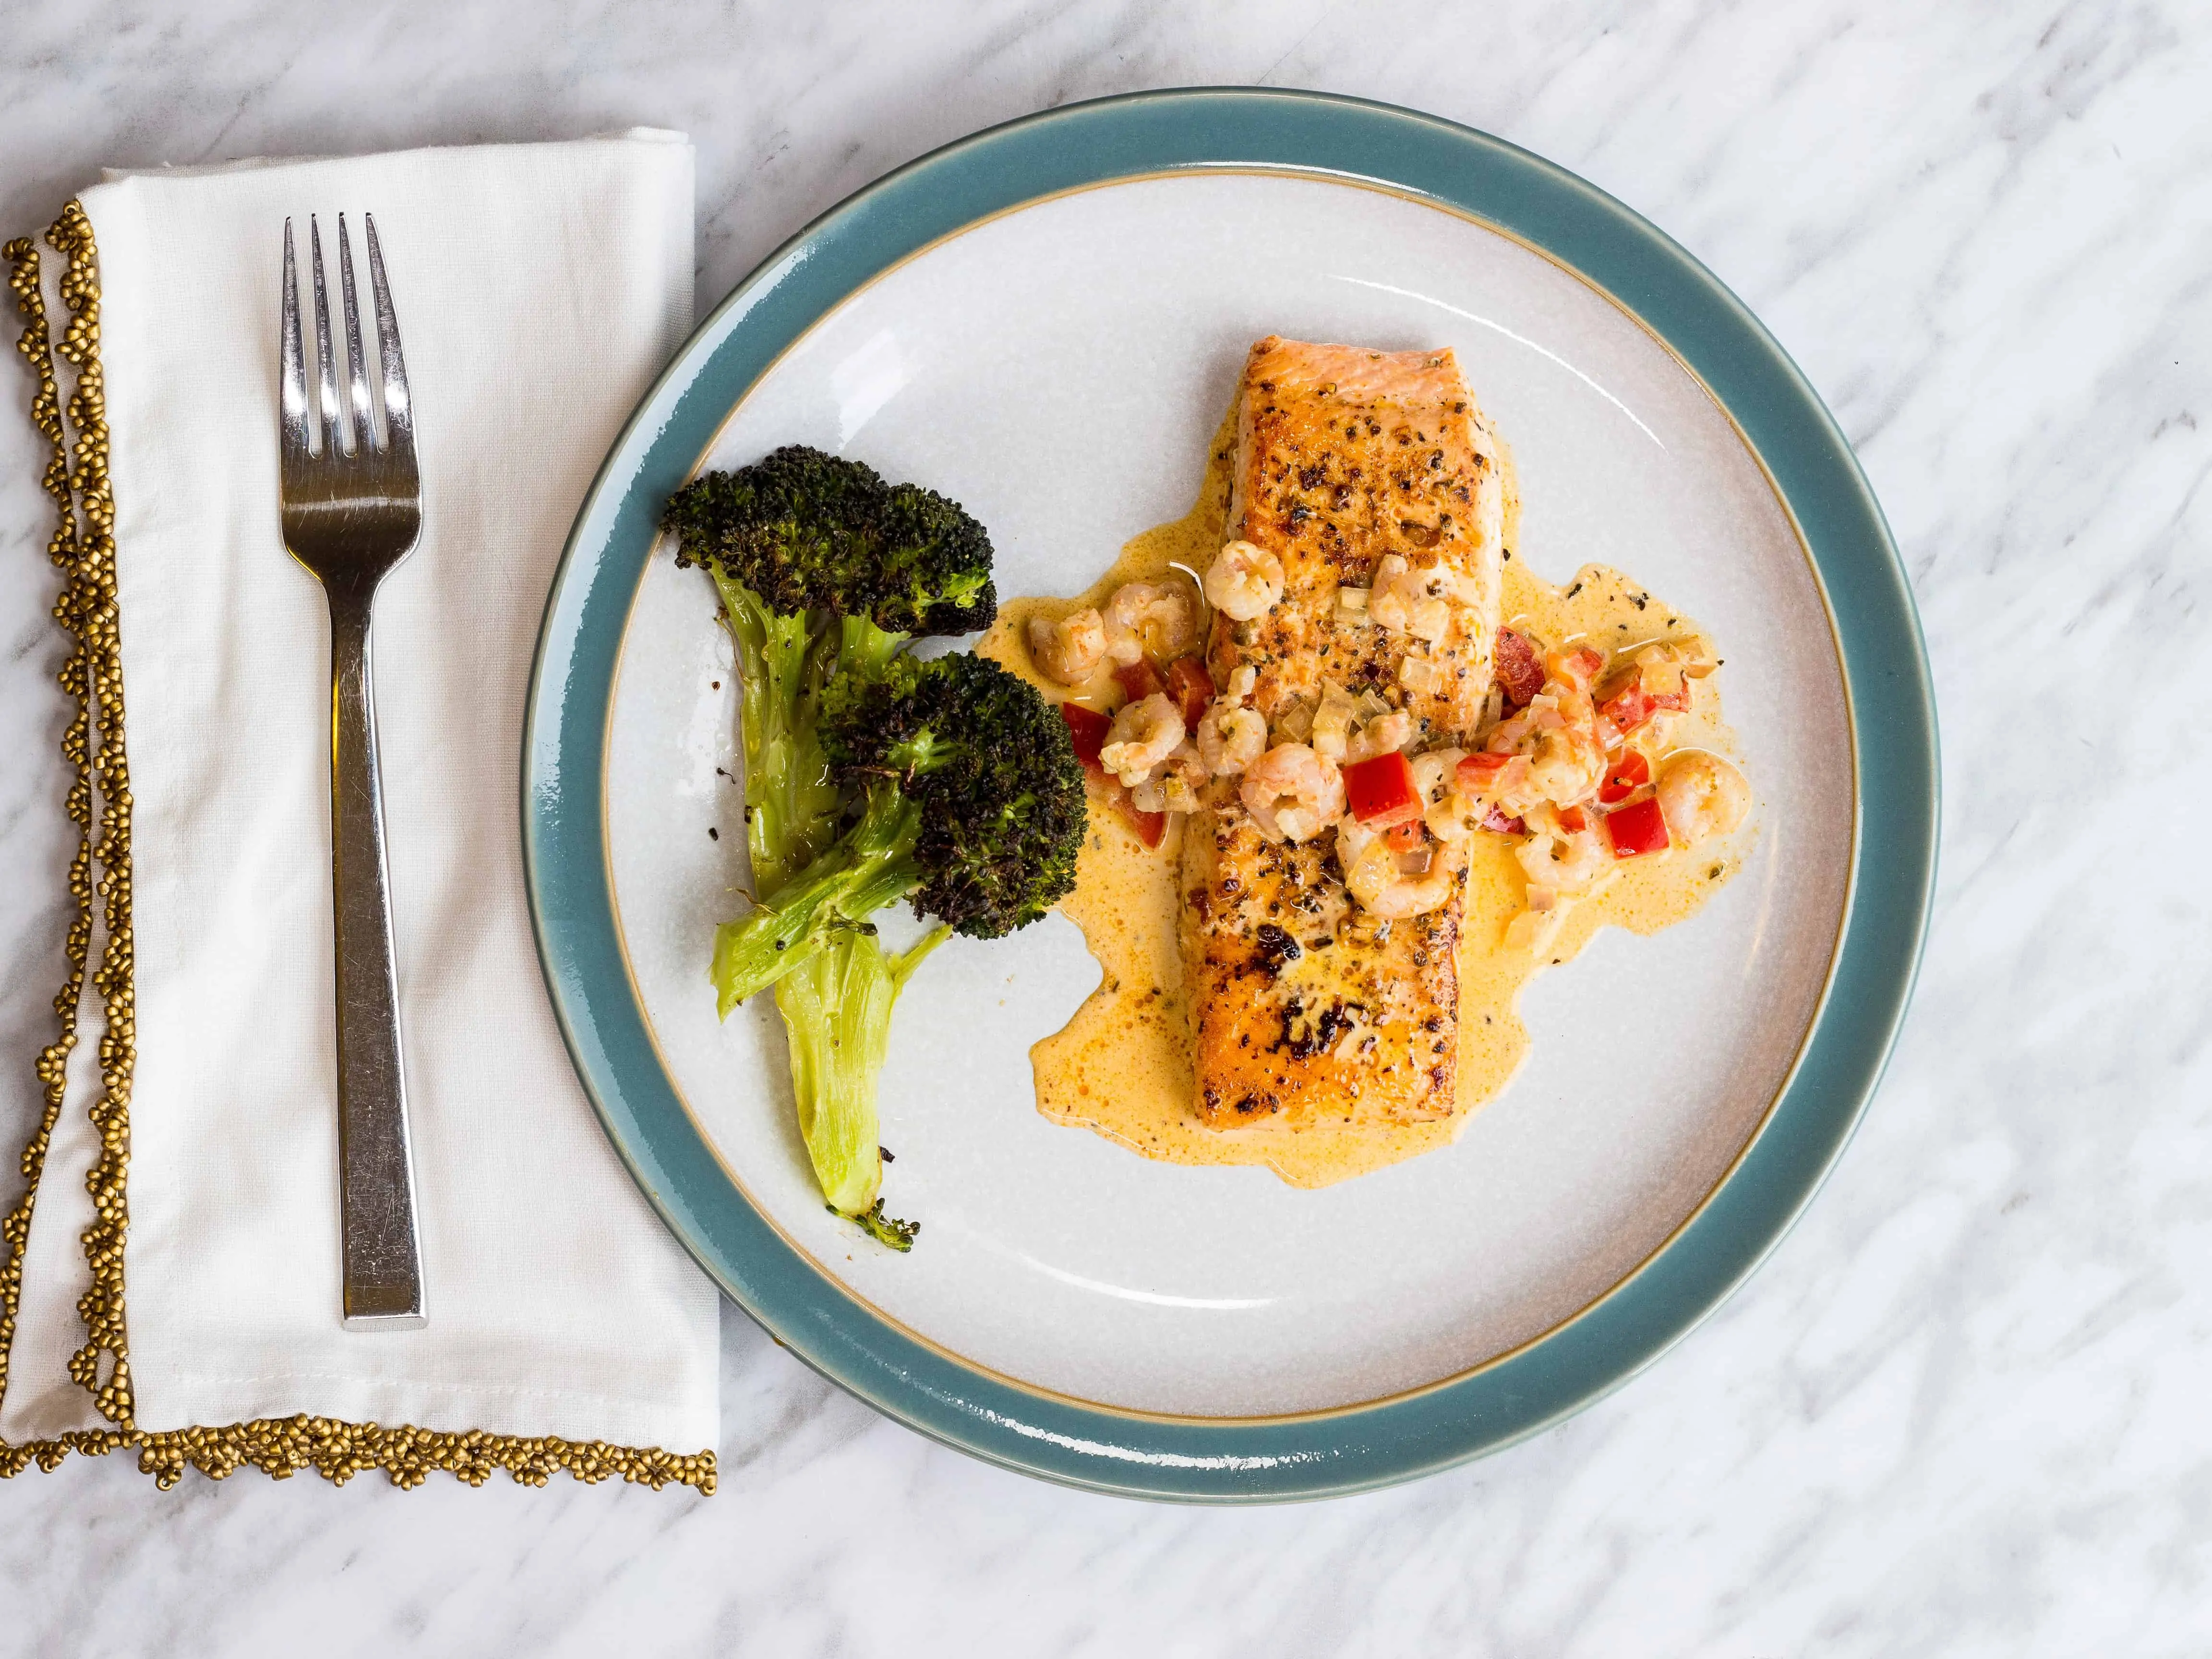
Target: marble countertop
[[1961, 1409]]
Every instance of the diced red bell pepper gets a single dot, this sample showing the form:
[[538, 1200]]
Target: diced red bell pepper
[[1088, 727], [1140, 678], [1476, 770], [1520, 668], [1191, 689], [1627, 709], [1573, 820], [1496, 819], [1583, 663], [1638, 829], [1624, 701], [1151, 827], [1625, 777], [1380, 791], [1405, 837], [1108, 791]]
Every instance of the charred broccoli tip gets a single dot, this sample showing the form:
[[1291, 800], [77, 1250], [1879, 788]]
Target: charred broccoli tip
[[808, 531]]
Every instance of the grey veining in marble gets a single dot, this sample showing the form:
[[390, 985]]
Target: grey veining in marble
[[1962, 1411]]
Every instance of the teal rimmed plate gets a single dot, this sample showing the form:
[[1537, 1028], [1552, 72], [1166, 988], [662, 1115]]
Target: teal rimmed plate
[[1045, 320]]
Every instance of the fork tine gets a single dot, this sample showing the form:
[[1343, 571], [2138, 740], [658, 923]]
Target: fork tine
[[337, 431], [398, 408], [291, 422], [364, 423]]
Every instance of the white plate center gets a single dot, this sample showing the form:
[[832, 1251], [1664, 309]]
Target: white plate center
[[1058, 370]]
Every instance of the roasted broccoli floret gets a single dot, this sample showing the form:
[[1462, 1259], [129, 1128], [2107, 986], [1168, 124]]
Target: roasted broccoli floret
[[971, 805], [825, 573], [992, 766], [823, 568], [811, 532], [885, 1229]]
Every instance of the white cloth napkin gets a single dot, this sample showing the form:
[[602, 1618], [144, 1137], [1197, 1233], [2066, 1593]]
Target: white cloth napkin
[[538, 288]]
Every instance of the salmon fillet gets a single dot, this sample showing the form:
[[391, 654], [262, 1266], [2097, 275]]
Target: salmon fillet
[[1344, 455], [1306, 1008]]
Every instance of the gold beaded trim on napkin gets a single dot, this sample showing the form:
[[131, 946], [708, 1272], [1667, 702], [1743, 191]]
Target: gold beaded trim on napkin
[[84, 547], [62, 550]]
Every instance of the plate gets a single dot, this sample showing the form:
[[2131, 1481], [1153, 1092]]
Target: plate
[[1046, 321]]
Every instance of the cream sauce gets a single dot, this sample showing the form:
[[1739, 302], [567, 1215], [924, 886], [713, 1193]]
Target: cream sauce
[[1121, 1067]]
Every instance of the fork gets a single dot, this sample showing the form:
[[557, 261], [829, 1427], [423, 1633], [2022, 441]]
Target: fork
[[350, 510]]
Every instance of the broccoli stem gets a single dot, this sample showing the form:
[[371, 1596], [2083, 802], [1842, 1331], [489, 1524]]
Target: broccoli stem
[[836, 1008], [791, 800], [836, 986], [870, 867], [863, 648]]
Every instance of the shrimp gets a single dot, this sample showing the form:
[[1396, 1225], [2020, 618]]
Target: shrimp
[[1230, 737], [1560, 864], [1558, 734], [1700, 796], [1070, 650], [1381, 886], [1143, 734], [1382, 735], [1450, 812], [1292, 772], [1504, 778], [1566, 763], [1173, 785], [1165, 610], [1418, 602], [1244, 581]]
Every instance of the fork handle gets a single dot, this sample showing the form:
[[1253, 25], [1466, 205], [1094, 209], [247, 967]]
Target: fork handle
[[376, 1174]]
